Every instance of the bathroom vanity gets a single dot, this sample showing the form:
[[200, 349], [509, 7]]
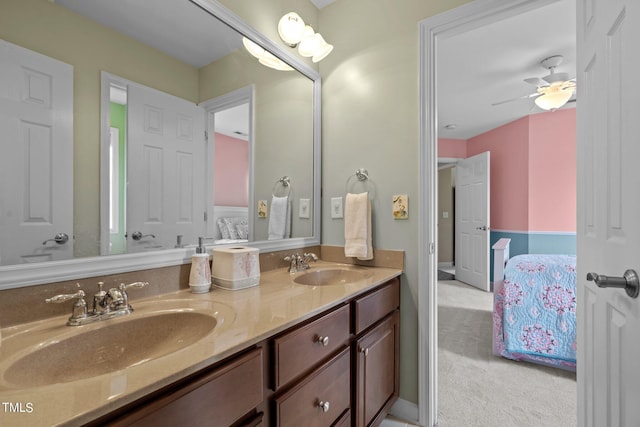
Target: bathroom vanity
[[309, 349]]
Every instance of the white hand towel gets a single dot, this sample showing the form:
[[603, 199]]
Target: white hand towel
[[357, 226], [279, 218]]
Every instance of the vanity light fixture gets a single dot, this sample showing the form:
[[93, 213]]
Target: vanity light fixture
[[295, 33], [291, 28], [264, 57]]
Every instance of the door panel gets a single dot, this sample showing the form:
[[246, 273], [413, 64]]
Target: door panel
[[608, 226], [165, 169], [36, 169], [472, 221]]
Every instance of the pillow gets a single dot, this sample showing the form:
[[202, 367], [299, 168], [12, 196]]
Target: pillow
[[231, 227], [224, 229], [242, 228]]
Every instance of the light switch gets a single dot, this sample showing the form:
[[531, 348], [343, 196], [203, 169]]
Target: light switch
[[304, 208], [445, 214], [336, 207]]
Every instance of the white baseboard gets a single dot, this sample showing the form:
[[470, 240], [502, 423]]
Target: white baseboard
[[445, 264], [405, 410]]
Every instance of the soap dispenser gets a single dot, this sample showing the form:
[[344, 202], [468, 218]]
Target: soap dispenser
[[200, 275]]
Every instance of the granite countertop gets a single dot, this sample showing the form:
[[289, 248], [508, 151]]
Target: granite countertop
[[244, 318]]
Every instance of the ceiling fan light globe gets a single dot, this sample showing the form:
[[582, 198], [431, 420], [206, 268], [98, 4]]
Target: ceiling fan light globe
[[552, 100]]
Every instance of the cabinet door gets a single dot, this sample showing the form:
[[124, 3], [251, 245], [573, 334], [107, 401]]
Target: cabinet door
[[377, 371]]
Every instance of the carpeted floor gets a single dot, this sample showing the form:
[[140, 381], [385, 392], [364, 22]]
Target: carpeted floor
[[477, 388]]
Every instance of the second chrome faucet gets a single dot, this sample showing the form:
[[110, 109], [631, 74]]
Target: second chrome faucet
[[298, 262]]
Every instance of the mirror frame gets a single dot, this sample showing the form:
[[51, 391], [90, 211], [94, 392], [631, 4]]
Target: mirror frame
[[16, 276]]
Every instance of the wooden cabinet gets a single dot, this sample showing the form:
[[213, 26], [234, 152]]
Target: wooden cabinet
[[338, 369], [301, 349], [376, 361], [320, 399], [376, 371], [218, 398]]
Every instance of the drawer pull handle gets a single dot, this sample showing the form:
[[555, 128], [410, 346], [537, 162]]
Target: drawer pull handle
[[324, 406], [323, 341]]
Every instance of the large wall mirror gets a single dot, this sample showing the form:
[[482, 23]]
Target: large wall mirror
[[131, 129]]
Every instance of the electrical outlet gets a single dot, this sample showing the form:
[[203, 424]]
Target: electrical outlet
[[336, 207]]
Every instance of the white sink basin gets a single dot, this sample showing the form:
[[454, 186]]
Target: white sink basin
[[331, 276], [108, 346]]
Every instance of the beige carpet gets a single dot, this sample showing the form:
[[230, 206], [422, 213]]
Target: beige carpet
[[477, 388]]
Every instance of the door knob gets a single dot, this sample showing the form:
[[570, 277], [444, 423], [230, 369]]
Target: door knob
[[137, 235], [60, 238], [483, 228], [629, 282]]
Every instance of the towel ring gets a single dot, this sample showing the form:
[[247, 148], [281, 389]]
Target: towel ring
[[362, 175], [285, 181]]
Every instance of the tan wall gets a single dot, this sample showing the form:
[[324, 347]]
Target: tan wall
[[370, 120], [445, 225]]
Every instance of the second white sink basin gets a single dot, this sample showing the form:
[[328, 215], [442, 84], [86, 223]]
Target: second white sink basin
[[332, 276]]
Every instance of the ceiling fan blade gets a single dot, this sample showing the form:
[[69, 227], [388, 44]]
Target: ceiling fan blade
[[536, 81], [531, 95]]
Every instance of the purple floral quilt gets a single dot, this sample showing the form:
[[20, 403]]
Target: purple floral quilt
[[535, 310]]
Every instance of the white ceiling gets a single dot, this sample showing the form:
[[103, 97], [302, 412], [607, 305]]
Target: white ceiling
[[488, 65]]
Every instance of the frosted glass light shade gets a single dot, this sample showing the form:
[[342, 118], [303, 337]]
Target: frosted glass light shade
[[291, 28], [322, 52], [271, 61], [553, 97], [252, 48], [264, 57], [311, 45]]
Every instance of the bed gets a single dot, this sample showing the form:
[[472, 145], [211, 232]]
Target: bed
[[534, 307], [231, 224]]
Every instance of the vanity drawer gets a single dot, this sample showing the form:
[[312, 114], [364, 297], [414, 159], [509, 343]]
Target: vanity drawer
[[374, 306], [219, 398], [329, 385], [301, 349]]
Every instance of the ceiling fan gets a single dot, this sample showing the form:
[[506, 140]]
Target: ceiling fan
[[554, 90]]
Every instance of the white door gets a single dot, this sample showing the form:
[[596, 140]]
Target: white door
[[608, 235], [36, 168], [165, 170], [472, 221]]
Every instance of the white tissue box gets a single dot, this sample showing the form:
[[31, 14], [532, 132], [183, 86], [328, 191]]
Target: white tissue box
[[235, 267]]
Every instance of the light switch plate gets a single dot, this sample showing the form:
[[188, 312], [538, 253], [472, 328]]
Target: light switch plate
[[304, 208], [336, 207]]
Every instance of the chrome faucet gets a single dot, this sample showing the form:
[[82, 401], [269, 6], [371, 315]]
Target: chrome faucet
[[106, 305], [299, 263]]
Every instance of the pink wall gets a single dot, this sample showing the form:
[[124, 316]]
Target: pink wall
[[509, 175], [452, 148], [533, 172], [231, 171], [552, 171]]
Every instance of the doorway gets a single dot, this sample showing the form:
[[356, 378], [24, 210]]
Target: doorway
[[470, 16]]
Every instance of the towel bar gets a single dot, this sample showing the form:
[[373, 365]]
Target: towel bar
[[285, 181], [362, 175]]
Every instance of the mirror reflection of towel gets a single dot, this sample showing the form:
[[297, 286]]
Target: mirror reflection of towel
[[357, 226], [280, 218]]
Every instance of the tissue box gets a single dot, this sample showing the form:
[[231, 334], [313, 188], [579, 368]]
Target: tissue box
[[235, 267]]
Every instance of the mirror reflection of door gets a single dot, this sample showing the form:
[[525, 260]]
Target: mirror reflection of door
[[155, 189], [36, 118], [230, 151]]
